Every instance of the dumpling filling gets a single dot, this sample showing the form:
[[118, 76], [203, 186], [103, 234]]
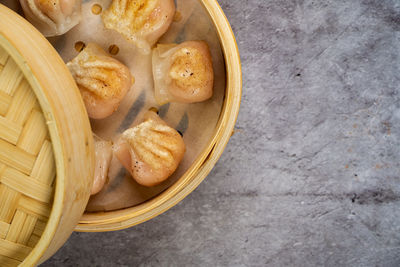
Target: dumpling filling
[[183, 73], [150, 151], [102, 80], [103, 156], [52, 17], [142, 22]]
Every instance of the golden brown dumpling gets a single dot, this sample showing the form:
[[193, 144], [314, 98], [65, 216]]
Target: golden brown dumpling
[[183, 73], [103, 155], [52, 17], [141, 21], [150, 151], [102, 80]]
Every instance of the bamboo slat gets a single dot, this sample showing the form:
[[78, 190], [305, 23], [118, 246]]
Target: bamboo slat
[[26, 185], [27, 229], [3, 56], [44, 169], [9, 131], [5, 101], [39, 228], [8, 202], [15, 157], [33, 240], [34, 133], [3, 229], [36, 208], [23, 97], [10, 77], [14, 250], [16, 226], [21, 228], [8, 262]]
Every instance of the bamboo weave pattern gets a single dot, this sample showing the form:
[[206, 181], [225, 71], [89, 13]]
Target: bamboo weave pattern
[[27, 168]]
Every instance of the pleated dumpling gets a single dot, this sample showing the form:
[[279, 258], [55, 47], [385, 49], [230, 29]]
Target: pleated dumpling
[[183, 73], [150, 151], [142, 22], [103, 155], [52, 17], [102, 80]]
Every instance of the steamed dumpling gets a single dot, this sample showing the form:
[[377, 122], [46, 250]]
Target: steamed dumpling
[[102, 80], [103, 155], [142, 22], [150, 151], [183, 73], [52, 17]]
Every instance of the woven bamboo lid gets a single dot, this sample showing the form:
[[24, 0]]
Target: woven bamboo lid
[[46, 146]]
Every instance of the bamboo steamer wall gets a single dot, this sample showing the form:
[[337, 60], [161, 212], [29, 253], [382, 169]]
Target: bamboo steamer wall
[[46, 146], [120, 219]]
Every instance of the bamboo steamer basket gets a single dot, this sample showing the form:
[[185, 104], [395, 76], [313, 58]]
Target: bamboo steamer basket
[[46, 146], [124, 218]]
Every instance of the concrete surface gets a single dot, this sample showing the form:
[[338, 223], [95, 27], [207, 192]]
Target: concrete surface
[[311, 177]]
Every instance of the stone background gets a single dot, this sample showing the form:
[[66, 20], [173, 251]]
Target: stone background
[[311, 176]]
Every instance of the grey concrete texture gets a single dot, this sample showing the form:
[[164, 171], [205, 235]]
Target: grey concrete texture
[[312, 175]]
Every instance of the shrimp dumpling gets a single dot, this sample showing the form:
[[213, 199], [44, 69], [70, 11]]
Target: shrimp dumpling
[[183, 73], [102, 80], [52, 17], [150, 151], [103, 156], [142, 22]]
